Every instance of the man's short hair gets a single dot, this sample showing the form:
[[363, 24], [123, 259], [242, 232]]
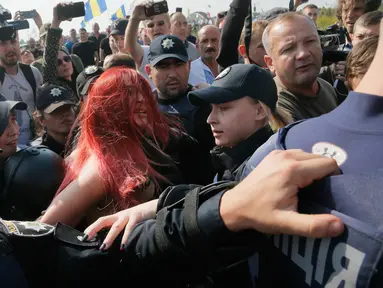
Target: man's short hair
[[257, 28], [177, 13], [119, 59], [369, 19], [82, 29], [360, 58], [286, 17], [311, 6], [273, 13], [167, 18]]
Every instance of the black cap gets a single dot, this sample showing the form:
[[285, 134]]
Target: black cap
[[119, 26], [5, 108], [167, 46], [50, 97], [86, 77], [236, 82]]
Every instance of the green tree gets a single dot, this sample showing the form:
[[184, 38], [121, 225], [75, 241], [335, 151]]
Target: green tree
[[327, 17]]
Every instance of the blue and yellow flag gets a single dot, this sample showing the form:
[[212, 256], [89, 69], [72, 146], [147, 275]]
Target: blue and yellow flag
[[119, 14], [94, 8]]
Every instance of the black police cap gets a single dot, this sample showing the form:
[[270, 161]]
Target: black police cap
[[119, 27], [236, 82], [86, 77], [165, 47], [50, 97]]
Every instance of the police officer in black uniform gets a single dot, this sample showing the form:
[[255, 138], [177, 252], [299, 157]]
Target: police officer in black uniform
[[55, 112], [197, 232], [246, 132], [169, 70], [30, 177]]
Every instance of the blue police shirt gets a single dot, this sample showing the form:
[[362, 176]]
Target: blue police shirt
[[180, 107], [352, 134]]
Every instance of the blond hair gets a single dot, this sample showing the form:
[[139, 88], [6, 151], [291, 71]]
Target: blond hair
[[257, 28]]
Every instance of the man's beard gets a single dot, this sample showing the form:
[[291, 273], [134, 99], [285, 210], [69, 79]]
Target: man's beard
[[168, 95], [10, 63]]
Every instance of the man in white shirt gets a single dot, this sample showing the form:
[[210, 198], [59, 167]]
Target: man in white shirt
[[15, 85], [179, 28], [205, 68]]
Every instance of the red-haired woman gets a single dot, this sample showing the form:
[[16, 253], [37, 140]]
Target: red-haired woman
[[119, 160]]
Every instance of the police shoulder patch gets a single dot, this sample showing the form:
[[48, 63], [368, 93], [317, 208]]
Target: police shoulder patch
[[330, 150], [223, 73], [26, 229], [91, 69]]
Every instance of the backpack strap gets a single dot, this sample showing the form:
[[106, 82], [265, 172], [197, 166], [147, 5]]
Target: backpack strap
[[2, 75], [28, 73]]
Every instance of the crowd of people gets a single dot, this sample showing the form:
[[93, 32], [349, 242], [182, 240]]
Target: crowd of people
[[235, 157]]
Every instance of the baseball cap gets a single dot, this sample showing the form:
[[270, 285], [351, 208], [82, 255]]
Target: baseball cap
[[51, 97], [236, 82], [5, 108], [119, 26], [44, 29], [86, 77], [167, 46]]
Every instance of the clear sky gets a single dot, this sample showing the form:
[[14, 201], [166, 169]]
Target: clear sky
[[213, 6]]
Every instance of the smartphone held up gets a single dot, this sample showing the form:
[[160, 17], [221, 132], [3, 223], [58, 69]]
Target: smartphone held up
[[157, 8], [71, 10]]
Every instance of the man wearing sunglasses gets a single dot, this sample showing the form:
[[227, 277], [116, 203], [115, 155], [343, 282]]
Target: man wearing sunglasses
[[18, 82]]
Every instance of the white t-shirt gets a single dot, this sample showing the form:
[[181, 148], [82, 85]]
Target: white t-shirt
[[200, 73], [145, 61], [17, 88]]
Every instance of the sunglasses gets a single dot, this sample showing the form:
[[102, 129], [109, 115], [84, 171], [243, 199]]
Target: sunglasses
[[65, 59]]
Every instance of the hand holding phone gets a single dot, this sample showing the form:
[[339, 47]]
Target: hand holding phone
[[70, 10], [29, 14], [157, 8]]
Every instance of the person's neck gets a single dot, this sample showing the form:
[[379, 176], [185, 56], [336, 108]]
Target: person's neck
[[74, 40], [60, 138], [307, 90], [96, 34], [11, 70], [212, 64], [83, 41]]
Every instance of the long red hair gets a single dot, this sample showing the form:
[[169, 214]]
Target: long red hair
[[109, 132]]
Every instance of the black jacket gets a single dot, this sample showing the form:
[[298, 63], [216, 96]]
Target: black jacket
[[48, 141], [231, 33], [229, 162], [185, 243], [193, 120]]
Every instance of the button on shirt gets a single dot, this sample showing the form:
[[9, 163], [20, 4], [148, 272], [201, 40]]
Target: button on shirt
[[200, 73]]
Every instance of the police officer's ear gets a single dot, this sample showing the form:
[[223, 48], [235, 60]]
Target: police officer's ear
[[189, 64], [260, 112], [148, 70], [39, 120], [269, 63], [242, 51]]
